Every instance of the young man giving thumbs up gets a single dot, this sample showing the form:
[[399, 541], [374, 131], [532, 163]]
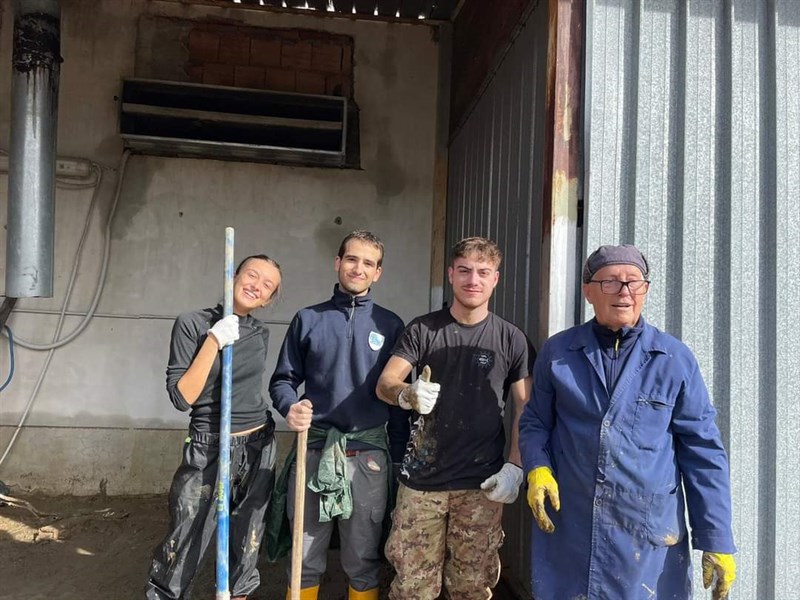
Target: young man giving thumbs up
[[454, 479]]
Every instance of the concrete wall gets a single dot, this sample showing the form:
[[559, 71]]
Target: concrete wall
[[101, 418]]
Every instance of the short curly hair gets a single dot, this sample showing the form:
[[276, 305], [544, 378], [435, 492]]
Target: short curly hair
[[485, 248]]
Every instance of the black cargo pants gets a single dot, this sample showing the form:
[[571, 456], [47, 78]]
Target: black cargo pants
[[193, 516]]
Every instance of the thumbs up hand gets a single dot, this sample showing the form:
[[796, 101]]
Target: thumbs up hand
[[421, 395]]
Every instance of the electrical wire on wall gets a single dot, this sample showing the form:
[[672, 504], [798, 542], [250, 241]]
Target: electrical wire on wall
[[10, 335], [68, 183], [58, 343]]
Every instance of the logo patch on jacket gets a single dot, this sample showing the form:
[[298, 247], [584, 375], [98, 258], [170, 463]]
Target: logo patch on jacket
[[376, 340]]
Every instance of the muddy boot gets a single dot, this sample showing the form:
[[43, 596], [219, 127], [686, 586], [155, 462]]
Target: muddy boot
[[365, 595]]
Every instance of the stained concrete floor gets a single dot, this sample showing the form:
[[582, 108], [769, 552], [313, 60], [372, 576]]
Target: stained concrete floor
[[100, 547]]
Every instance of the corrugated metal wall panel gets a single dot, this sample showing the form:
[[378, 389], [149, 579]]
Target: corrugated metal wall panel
[[693, 154], [787, 288], [496, 169], [495, 188]]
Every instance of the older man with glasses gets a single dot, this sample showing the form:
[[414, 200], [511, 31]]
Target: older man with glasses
[[619, 429]]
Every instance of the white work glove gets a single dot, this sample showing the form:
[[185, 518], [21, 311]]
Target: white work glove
[[503, 486], [421, 395], [225, 331]]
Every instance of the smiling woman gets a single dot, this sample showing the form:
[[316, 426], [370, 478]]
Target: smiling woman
[[257, 281], [194, 382]]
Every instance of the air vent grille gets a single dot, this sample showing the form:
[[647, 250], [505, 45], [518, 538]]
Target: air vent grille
[[193, 120]]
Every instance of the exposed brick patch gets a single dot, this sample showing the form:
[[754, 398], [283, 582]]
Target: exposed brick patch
[[265, 52], [203, 46], [292, 60], [296, 55], [310, 83], [282, 80], [217, 74], [326, 57], [249, 77], [234, 49]]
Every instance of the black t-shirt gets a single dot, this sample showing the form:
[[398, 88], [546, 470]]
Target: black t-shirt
[[461, 442]]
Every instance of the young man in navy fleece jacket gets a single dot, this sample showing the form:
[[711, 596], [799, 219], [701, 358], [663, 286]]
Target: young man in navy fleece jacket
[[338, 349]]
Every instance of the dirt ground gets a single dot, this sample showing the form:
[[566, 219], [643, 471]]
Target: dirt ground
[[100, 547]]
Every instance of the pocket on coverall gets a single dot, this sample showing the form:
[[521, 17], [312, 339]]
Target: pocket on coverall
[[651, 421]]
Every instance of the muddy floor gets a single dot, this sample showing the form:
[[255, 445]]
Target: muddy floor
[[100, 547]]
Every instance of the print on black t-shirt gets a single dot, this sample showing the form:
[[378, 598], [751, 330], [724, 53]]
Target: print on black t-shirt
[[461, 442]]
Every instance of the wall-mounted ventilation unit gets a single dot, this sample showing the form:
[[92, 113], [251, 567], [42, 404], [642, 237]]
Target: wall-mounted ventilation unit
[[192, 120]]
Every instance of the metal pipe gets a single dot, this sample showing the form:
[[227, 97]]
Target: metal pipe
[[36, 63], [224, 477]]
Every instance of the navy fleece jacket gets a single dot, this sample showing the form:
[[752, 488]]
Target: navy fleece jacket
[[338, 349]]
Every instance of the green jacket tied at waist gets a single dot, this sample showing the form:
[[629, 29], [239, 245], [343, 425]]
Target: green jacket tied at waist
[[330, 482]]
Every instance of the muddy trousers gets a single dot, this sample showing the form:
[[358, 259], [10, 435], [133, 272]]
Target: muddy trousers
[[453, 536], [359, 535], [193, 516]]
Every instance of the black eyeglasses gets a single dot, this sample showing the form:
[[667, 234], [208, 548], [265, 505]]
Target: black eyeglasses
[[637, 287]]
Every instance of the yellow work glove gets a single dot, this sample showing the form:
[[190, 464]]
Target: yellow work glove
[[724, 567], [541, 482]]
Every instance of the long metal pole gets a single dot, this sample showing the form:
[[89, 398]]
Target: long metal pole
[[36, 62], [224, 478]]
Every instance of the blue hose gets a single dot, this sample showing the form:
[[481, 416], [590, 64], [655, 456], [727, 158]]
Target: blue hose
[[10, 359]]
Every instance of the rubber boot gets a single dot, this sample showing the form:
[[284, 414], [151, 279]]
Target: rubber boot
[[365, 595], [309, 593]]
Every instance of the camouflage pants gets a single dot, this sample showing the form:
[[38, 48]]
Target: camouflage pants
[[453, 536]]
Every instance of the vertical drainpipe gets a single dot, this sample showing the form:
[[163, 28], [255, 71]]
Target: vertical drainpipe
[[561, 246], [36, 61]]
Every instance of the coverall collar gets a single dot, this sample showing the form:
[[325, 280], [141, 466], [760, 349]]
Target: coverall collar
[[585, 340]]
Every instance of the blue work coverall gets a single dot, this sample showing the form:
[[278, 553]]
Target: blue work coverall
[[622, 462]]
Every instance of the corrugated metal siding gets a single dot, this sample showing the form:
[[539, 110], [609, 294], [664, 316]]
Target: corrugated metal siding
[[693, 154], [495, 188]]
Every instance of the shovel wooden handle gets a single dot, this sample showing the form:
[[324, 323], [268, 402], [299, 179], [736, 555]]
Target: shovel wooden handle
[[299, 511]]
